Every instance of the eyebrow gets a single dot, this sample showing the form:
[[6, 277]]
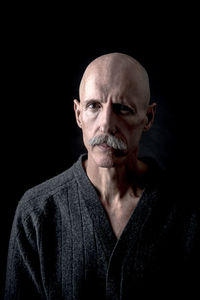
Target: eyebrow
[[92, 99]]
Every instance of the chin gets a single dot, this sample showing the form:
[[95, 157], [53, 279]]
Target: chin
[[106, 164], [108, 161]]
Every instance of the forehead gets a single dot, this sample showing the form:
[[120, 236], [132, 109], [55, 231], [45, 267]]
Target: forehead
[[116, 86]]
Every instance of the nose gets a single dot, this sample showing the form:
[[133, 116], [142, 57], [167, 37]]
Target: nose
[[107, 122]]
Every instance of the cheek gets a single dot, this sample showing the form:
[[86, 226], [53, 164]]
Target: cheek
[[133, 132], [88, 118], [88, 126]]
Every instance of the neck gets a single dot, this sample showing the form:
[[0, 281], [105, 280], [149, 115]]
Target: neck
[[116, 182]]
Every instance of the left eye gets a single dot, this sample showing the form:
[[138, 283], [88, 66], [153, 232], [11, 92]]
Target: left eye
[[123, 109]]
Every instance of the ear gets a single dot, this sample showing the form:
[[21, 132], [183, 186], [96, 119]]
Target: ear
[[150, 115], [77, 110]]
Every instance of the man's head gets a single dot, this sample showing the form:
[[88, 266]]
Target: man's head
[[114, 108]]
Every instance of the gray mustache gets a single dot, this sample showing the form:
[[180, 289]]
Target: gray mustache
[[110, 140]]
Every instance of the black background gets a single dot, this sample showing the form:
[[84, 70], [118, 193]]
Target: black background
[[45, 51]]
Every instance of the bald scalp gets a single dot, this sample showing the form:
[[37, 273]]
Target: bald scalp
[[117, 68]]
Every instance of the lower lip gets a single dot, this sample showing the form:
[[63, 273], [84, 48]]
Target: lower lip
[[104, 147]]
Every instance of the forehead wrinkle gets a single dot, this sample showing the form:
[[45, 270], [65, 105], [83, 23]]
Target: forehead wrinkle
[[96, 84], [92, 90], [116, 94]]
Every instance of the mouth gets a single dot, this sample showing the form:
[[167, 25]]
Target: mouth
[[104, 147]]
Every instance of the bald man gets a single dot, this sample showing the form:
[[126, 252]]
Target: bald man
[[113, 112], [109, 227]]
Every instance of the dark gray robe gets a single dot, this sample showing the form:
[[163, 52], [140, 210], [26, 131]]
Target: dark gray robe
[[62, 245]]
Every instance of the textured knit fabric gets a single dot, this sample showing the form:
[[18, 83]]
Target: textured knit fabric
[[62, 245]]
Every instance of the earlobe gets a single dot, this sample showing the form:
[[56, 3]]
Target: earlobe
[[77, 112]]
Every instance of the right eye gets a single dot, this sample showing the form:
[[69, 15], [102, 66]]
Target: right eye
[[93, 106]]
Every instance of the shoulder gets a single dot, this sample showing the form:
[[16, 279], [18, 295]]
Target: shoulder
[[50, 195], [51, 186]]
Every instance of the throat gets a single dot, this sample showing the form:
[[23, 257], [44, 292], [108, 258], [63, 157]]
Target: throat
[[119, 212]]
